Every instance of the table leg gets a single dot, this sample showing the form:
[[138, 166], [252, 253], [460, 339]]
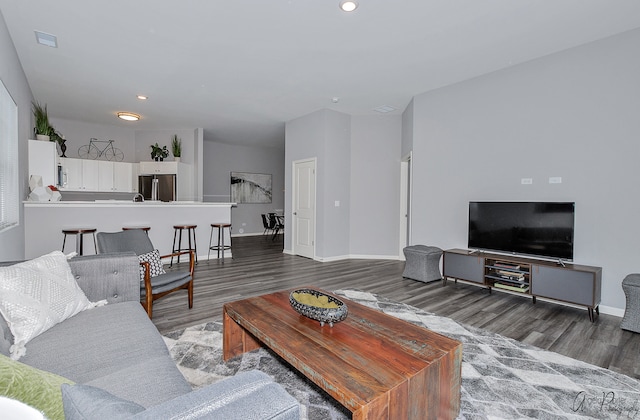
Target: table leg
[[235, 339]]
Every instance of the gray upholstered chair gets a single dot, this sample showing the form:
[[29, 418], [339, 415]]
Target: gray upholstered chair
[[151, 288]]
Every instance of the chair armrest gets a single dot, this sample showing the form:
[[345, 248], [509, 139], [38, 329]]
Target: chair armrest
[[192, 259], [114, 277]]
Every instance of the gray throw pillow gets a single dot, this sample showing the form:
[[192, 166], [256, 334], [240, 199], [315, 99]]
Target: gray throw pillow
[[83, 402]]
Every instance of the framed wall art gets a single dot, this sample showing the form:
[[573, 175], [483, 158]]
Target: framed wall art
[[250, 188]]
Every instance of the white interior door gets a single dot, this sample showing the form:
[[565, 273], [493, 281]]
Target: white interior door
[[405, 204], [304, 208]]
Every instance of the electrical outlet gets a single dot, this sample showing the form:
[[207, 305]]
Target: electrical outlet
[[555, 180], [526, 181]]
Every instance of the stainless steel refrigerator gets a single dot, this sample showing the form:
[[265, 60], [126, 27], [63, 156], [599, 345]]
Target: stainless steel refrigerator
[[157, 187]]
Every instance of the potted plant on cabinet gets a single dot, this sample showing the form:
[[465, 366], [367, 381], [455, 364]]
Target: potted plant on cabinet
[[176, 147], [42, 128], [159, 153]]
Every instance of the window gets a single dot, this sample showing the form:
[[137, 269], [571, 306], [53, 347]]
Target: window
[[9, 183]]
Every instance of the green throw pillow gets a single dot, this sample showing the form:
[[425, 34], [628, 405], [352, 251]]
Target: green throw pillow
[[34, 387]]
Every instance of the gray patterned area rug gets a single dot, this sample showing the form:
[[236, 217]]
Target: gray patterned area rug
[[501, 378]]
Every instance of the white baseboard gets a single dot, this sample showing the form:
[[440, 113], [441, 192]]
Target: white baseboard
[[610, 310], [357, 257]]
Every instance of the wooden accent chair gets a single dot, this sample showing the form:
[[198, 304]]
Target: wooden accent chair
[[151, 288]]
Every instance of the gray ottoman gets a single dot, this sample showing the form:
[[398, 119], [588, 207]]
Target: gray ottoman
[[631, 287], [422, 263]]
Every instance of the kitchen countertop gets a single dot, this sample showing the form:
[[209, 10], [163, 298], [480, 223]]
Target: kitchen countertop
[[124, 203]]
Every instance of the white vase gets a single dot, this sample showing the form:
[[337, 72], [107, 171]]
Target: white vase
[[176, 158], [43, 137]]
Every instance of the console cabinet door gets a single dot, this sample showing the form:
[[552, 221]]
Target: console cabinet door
[[563, 284], [463, 267]]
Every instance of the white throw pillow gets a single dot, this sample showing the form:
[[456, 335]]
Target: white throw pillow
[[155, 265], [36, 295]]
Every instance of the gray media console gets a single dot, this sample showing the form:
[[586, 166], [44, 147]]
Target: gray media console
[[570, 283]]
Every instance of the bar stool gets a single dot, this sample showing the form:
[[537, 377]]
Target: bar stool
[[79, 233], [191, 233], [145, 228], [220, 247]]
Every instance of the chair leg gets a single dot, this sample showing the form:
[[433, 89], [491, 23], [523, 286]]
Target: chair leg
[[195, 245], [64, 240], [190, 292], [95, 245]]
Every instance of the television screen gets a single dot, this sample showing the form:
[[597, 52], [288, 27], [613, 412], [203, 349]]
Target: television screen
[[530, 228]]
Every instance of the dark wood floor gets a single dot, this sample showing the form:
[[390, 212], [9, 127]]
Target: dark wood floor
[[259, 267]]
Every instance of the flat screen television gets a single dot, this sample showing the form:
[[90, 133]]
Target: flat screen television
[[531, 228]]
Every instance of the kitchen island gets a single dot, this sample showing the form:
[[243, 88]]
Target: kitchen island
[[44, 222]]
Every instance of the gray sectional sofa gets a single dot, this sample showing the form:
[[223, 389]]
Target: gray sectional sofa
[[117, 349]]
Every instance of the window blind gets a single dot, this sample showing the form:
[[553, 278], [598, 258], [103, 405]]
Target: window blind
[[9, 182]]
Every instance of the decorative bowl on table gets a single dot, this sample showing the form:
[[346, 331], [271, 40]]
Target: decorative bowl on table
[[319, 306]]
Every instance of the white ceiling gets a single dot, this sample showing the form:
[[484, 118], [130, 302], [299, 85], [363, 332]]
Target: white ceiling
[[241, 69]]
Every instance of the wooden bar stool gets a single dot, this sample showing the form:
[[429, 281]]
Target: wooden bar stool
[[191, 233], [220, 247], [145, 228], [79, 233]]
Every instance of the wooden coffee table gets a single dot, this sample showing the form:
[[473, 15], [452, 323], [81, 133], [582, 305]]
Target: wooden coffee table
[[377, 366]]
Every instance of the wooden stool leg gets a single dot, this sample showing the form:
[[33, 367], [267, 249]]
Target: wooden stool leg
[[64, 240], [218, 247], [95, 245], [179, 244], [210, 239], [79, 243], [173, 248]]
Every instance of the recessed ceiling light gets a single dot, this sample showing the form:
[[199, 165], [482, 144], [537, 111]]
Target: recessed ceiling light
[[348, 5], [384, 109], [142, 97], [128, 116], [46, 39]]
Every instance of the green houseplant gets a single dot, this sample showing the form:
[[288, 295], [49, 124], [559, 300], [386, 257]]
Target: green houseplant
[[176, 147], [159, 153], [42, 127]]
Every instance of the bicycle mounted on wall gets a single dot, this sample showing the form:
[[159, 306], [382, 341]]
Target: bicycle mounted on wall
[[93, 151]]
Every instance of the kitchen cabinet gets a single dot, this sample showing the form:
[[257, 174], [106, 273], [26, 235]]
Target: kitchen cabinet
[[115, 176], [43, 161], [96, 175], [156, 168]]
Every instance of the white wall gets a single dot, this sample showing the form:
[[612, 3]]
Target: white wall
[[220, 159], [358, 164], [573, 115], [407, 130], [79, 133], [375, 182], [325, 135], [11, 74]]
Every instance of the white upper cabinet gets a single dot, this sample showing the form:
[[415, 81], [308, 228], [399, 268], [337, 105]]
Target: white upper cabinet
[[43, 158], [96, 175]]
